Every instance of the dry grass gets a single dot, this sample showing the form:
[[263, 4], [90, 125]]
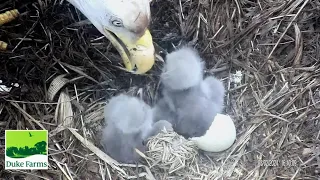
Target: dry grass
[[274, 43]]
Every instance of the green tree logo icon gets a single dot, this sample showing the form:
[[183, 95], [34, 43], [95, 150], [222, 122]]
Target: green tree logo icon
[[25, 143]]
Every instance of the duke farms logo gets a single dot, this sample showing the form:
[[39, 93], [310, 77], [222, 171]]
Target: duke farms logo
[[26, 149]]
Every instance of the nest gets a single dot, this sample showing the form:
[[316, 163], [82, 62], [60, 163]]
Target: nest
[[171, 152], [171, 156], [66, 70]]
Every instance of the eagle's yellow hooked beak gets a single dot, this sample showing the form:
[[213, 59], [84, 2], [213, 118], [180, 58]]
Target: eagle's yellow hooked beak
[[138, 56]]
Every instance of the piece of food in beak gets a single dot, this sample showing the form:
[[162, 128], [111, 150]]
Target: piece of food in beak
[[3, 46], [138, 56], [8, 16]]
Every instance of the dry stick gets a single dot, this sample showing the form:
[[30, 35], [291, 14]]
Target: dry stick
[[97, 151], [29, 31], [299, 45], [61, 168], [57, 162], [27, 115], [102, 171], [241, 142], [295, 174], [289, 25], [81, 117], [181, 9], [68, 170]]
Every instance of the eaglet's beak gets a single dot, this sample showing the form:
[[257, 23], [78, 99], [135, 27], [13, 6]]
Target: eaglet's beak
[[138, 57]]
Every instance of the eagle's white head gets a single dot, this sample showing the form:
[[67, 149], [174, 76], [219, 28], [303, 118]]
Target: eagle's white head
[[125, 24]]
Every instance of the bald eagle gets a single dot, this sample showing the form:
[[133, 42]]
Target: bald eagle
[[123, 22]]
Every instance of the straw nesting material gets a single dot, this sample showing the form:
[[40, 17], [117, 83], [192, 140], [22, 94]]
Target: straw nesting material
[[171, 152]]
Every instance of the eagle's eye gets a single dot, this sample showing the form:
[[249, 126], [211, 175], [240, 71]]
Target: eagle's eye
[[116, 22]]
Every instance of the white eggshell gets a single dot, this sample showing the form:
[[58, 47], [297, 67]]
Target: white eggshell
[[219, 137]]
